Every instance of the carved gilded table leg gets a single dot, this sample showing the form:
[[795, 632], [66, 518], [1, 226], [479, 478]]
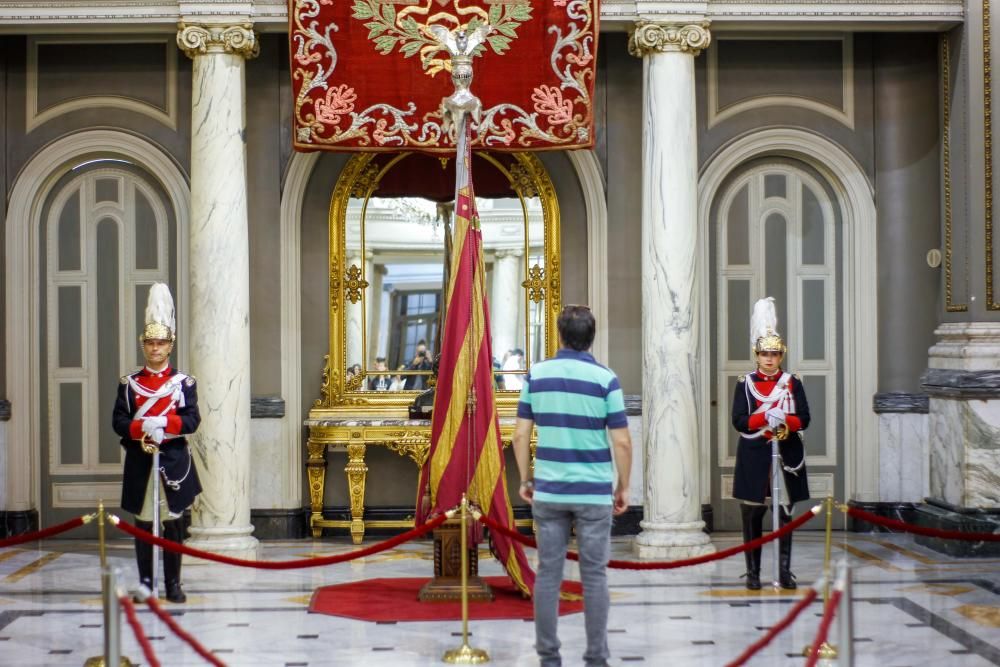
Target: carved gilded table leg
[[357, 472], [316, 467]]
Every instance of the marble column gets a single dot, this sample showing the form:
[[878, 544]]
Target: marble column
[[219, 262], [506, 301], [672, 527]]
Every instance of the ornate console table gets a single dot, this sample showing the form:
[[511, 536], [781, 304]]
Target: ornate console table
[[406, 437]]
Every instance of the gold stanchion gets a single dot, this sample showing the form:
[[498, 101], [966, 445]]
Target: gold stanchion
[[465, 654], [827, 651], [99, 660]]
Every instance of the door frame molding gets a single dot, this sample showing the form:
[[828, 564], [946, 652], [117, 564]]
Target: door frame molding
[[855, 196], [31, 188]]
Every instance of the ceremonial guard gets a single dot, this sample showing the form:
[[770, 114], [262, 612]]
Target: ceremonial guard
[[157, 407], [769, 403]]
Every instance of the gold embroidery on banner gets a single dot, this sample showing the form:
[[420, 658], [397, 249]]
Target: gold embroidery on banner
[[559, 114], [946, 167]]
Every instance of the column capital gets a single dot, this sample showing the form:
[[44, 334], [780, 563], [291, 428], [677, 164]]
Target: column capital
[[197, 39], [648, 38]]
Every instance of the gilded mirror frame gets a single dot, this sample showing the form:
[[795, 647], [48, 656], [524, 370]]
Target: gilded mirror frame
[[360, 180]]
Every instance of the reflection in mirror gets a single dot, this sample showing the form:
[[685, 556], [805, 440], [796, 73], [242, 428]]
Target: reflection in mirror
[[395, 254]]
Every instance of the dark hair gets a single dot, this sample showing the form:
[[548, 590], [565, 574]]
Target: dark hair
[[577, 327], [380, 359]]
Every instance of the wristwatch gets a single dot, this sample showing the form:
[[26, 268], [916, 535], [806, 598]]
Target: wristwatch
[[528, 483]]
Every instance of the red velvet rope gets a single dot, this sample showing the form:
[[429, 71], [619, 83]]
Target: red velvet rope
[[285, 564], [779, 627], [664, 565], [920, 530], [133, 620], [42, 534], [182, 633], [824, 626]]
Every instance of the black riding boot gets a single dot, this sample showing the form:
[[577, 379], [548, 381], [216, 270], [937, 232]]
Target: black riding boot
[[752, 517], [173, 531], [144, 555], [785, 576]]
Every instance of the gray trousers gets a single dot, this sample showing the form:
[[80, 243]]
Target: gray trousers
[[593, 533]]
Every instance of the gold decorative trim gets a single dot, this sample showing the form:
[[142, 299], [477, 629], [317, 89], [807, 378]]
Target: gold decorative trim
[[988, 152], [359, 179], [196, 40], [354, 283], [535, 284], [649, 38], [946, 168]]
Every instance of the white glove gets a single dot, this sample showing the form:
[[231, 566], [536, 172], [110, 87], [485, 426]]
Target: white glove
[[777, 413], [149, 424], [773, 421], [157, 435]]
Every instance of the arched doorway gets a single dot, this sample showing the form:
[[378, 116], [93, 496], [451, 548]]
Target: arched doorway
[[848, 465]]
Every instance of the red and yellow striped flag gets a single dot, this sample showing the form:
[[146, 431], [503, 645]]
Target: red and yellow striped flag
[[466, 454]]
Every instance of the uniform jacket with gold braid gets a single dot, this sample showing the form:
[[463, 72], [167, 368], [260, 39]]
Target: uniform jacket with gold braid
[[754, 394], [172, 395]]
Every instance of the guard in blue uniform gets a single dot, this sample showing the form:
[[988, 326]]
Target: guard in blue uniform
[[767, 404], [157, 406]]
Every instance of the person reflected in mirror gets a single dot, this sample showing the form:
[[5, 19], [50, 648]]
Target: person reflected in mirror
[[514, 361], [379, 380], [421, 362], [398, 383]]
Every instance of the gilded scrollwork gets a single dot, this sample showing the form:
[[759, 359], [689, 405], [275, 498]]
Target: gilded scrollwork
[[649, 38], [200, 39], [325, 397], [991, 304], [415, 444], [523, 181], [535, 283], [354, 283], [950, 306]]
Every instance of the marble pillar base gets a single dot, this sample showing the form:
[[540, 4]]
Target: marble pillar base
[[903, 457], [229, 541], [672, 541]]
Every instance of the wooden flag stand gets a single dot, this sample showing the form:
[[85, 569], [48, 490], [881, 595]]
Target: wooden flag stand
[[446, 586]]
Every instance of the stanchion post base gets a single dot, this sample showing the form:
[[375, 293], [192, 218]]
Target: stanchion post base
[[465, 655], [98, 661], [827, 651]]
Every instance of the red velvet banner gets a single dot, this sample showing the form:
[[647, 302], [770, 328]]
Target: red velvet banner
[[368, 76]]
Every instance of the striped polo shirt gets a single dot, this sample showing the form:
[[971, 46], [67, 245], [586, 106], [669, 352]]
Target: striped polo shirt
[[573, 400]]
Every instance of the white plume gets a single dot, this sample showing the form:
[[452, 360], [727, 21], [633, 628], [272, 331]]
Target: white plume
[[160, 306], [763, 320]]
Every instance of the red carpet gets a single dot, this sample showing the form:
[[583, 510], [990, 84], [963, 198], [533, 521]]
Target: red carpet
[[396, 600]]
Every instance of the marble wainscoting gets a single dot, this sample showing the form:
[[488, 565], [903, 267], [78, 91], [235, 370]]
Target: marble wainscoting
[[903, 446], [964, 428]]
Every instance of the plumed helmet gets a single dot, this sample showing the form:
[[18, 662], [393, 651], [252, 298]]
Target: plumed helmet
[[764, 336], [160, 324]]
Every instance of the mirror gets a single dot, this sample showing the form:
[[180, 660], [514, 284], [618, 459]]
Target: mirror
[[391, 219]]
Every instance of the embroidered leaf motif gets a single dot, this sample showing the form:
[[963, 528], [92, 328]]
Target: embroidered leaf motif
[[362, 10], [495, 13], [410, 49], [375, 29], [499, 43], [389, 12]]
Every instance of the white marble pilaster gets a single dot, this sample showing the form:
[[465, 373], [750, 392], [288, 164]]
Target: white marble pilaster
[[506, 301], [220, 292], [672, 527]]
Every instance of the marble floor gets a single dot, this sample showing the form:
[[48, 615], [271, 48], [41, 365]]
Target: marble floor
[[912, 607]]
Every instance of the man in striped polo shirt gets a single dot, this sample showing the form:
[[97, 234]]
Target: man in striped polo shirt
[[576, 403]]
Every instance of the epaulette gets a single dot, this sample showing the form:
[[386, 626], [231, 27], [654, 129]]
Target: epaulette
[[123, 379], [189, 380], [742, 378]]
